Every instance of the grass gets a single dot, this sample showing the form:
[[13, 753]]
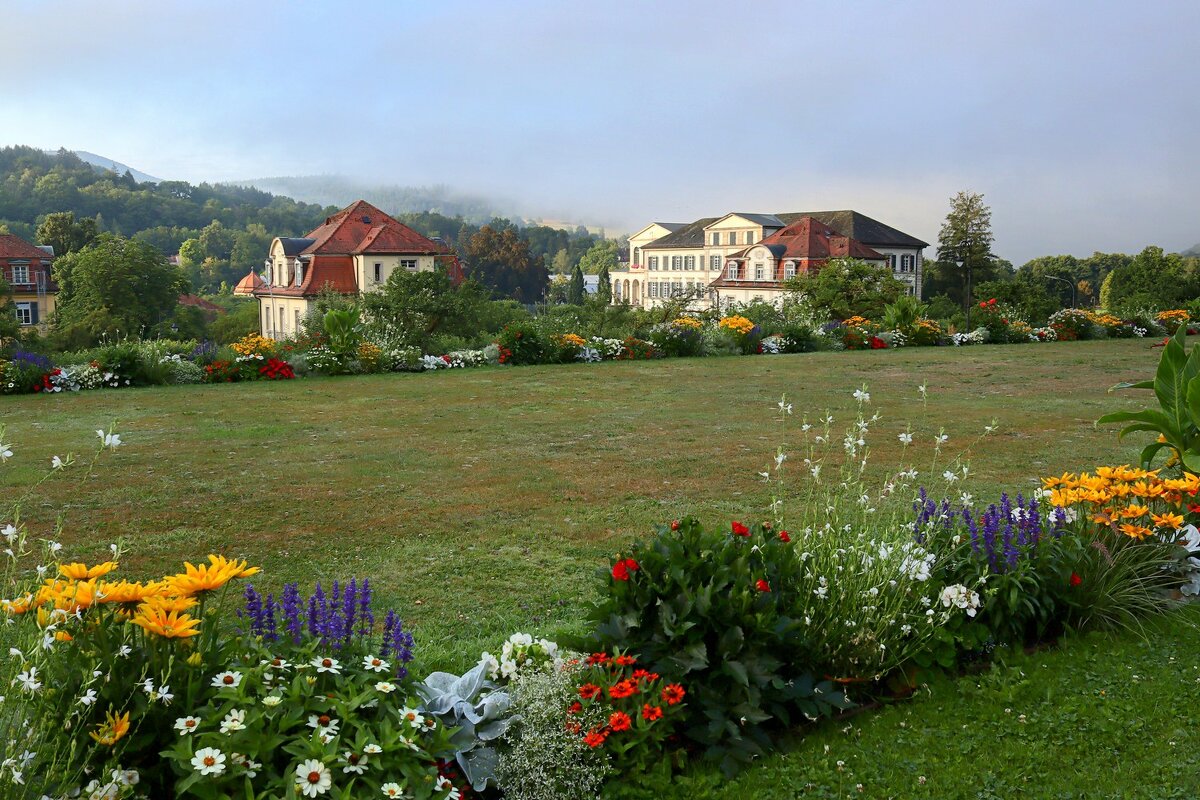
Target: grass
[[483, 502]]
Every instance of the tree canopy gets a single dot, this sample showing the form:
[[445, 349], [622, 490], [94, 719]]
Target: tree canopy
[[845, 287], [501, 260]]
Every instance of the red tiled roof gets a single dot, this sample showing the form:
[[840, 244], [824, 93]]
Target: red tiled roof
[[12, 246], [335, 272], [200, 303], [807, 241], [248, 284], [362, 228]]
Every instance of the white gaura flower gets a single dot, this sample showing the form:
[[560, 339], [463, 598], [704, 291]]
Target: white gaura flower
[[209, 761], [784, 405], [313, 778], [906, 438], [54, 547], [126, 650], [375, 664], [921, 390], [227, 680], [330, 665], [949, 476], [109, 440], [9, 533], [28, 680], [186, 725], [57, 463], [235, 720], [5, 451], [941, 439], [89, 698], [862, 395]]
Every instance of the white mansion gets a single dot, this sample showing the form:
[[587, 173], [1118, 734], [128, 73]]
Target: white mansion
[[746, 257]]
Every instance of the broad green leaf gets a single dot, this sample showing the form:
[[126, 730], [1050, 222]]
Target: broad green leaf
[[1129, 385], [1193, 398], [738, 671], [1175, 371]]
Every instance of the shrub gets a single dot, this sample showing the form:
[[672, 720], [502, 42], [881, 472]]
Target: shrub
[[718, 611], [682, 337], [742, 332], [634, 349], [1072, 324], [521, 343]]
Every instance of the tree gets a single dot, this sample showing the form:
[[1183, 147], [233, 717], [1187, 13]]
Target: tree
[[65, 234], [577, 290], [114, 284], [500, 260], [604, 287], [602, 254], [966, 236], [562, 262], [1151, 280], [9, 327], [846, 287], [416, 305]]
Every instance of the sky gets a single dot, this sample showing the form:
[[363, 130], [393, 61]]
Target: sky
[[1077, 121]]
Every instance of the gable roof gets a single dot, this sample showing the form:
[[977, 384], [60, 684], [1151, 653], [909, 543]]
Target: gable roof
[[766, 220], [858, 226], [362, 228], [690, 235], [809, 238], [13, 246]]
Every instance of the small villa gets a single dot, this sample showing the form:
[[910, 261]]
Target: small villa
[[26, 269]]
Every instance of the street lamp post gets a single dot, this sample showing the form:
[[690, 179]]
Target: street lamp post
[[268, 329], [1069, 283]]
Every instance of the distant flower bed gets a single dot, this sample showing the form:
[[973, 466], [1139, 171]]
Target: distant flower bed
[[254, 357]]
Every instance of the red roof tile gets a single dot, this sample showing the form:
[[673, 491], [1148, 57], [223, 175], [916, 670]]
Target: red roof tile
[[248, 284], [12, 246], [807, 241], [362, 228]]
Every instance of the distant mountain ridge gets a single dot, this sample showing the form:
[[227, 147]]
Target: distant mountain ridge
[[104, 162], [1194, 250]]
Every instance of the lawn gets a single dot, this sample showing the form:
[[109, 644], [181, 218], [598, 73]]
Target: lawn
[[482, 502]]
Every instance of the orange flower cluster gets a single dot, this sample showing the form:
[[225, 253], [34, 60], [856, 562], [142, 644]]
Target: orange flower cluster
[[571, 339], [1134, 501], [633, 697], [157, 607], [737, 324]]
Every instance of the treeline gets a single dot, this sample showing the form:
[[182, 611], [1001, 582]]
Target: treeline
[[219, 231]]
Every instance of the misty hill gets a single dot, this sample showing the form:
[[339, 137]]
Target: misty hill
[[103, 162], [1194, 250], [336, 190]]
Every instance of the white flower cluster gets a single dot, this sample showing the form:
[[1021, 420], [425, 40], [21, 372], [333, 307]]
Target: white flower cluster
[[917, 564], [977, 336], [521, 652], [1043, 335], [773, 345], [607, 348], [960, 597], [1191, 542], [455, 359]]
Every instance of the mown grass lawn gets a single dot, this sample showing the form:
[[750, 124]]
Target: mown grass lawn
[[483, 502]]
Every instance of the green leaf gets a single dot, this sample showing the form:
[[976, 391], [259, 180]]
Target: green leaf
[[737, 670], [1175, 371], [1129, 385]]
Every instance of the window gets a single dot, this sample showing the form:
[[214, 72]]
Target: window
[[267, 321], [26, 313], [750, 237], [789, 269], [637, 255], [732, 270], [299, 272], [733, 237], [676, 288], [20, 274], [760, 272], [689, 263], [716, 237], [297, 322], [653, 262], [676, 262], [409, 264], [282, 321], [906, 263], [714, 262], [892, 261], [378, 272], [653, 288]]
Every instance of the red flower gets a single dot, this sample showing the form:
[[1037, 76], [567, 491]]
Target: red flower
[[621, 569], [1075, 579], [783, 536], [625, 661], [620, 721], [740, 530], [623, 689], [589, 691], [673, 693], [877, 343], [651, 713], [674, 524], [992, 302], [983, 305], [1194, 508], [575, 707], [762, 585], [595, 738], [597, 658]]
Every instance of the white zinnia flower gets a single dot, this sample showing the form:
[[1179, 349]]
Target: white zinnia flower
[[235, 720], [392, 790], [313, 778], [186, 725], [385, 687], [209, 761], [227, 680], [375, 664], [331, 665]]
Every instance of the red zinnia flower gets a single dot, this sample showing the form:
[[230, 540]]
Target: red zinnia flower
[[1194, 508], [575, 707], [740, 530], [623, 689], [620, 721], [651, 713], [762, 585], [783, 536], [620, 572], [626, 661], [589, 691], [597, 658], [1075, 579], [672, 693], [595, 738], [674, 524]]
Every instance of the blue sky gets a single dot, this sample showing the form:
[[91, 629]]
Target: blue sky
[[1077, 120]]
